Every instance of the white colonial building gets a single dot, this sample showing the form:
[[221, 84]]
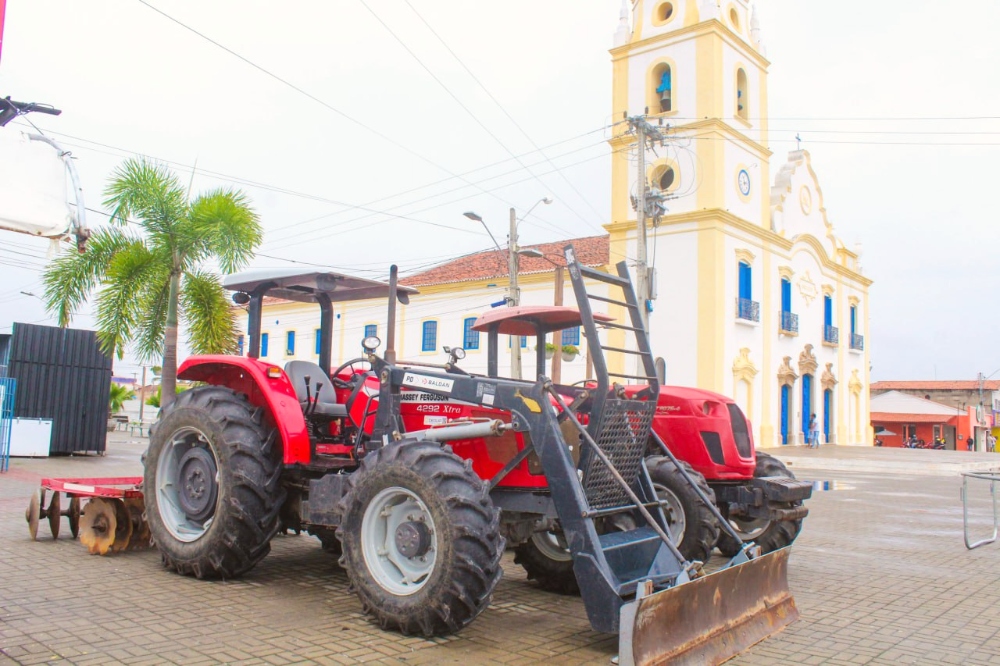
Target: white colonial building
[[756, 297]]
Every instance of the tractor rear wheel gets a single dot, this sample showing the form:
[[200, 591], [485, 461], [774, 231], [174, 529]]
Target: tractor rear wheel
[[691, 524], [770, 535], [212, 484], [421, 538], [547, 561]]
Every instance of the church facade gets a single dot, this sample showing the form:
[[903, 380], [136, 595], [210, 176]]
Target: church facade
[[755, 295]]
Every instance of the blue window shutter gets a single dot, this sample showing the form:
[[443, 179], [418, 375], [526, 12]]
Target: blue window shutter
[[524, 342], [786, 295], [239, 345], [263, 344], [319, 340], [470, 338], [371, 330], [429, 336], [290, 342], [827, 310], [746, 288], [854, 320], [571, 336]]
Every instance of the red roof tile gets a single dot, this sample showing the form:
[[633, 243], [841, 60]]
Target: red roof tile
[[591, 251], [889, 417], [934, 385]]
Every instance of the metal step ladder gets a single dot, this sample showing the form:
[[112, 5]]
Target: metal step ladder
[[608, 509]]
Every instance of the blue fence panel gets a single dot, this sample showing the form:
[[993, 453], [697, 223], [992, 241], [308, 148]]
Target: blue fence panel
[[7, 392]]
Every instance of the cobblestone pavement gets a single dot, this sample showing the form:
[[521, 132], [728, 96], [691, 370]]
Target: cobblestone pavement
[[880, 575]]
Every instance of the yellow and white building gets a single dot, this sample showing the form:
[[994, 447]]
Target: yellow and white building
[[757, 298]]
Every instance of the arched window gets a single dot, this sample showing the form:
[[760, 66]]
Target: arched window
[[662, 85], [663, 13], [742, 101]]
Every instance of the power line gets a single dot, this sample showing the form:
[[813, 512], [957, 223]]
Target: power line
[[501, 107], [458, 101], [313, 97]]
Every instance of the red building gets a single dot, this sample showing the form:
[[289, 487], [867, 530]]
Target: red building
[[897, 416]]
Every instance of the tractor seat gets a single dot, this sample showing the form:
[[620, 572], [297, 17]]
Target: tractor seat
[[327, 405]]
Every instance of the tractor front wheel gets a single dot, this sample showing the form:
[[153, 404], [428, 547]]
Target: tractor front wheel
[[691, 524], [547, 560], [211, 484], [421, 539], [770, 535]]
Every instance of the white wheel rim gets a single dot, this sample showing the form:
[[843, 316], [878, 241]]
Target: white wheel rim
[[168, 485], [751, 528], [391, 569], [673, 511], [552, 546]]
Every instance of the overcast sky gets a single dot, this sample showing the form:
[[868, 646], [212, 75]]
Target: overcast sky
[[358, 151]]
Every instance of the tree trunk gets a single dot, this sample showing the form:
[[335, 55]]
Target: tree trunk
[[168, 376]]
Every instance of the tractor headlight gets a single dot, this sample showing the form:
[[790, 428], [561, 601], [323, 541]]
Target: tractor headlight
[[458, 353], [371, 343]]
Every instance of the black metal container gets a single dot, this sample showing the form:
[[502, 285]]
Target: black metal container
[[62, 375]]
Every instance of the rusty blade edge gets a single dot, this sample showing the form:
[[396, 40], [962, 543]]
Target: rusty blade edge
[[714, 618]]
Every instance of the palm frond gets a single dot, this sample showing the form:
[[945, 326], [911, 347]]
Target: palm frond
[[118, 302], [148, 192], [71, 278], [222, 224], [152, 318], [210, 318]]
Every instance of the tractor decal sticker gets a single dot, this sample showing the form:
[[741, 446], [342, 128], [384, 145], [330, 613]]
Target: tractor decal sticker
[[485, 393], [428, 383], [435, 420], [530, 403], [407, 395]]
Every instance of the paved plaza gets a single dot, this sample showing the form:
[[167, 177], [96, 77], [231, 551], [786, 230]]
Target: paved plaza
[[880, 575]]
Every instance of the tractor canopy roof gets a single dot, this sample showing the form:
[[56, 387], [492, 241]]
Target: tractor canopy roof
[[527, 319], [293, 284]]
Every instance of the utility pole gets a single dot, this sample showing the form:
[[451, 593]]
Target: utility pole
[[644, 133], [557, 300], [515, 294]]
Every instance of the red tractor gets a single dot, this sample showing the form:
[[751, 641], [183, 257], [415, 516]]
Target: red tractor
[[577, 479]]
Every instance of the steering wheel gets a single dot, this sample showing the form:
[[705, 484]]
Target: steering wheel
[[355, 364]]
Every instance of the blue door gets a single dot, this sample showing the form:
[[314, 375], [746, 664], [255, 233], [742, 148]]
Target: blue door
[[785, 395], [786, 295], [827, 410], [806, 403], [746, 287]]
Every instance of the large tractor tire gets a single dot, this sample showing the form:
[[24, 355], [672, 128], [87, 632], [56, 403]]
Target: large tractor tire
[[691, 524], [548, 562], [212, 484], [770, 535], [421, 539]]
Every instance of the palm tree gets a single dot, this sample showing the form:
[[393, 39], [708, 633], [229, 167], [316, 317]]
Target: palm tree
[[148, 267]]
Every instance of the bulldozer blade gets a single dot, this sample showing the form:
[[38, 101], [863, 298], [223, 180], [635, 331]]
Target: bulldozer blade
[[710, 619]]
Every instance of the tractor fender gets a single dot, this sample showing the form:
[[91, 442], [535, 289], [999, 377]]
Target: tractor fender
[[275, 395]]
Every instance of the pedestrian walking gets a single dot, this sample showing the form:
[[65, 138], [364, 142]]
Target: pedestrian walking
[[813, 433]]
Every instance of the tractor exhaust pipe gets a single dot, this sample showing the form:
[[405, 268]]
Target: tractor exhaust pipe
[[447, 433], [390, 333]]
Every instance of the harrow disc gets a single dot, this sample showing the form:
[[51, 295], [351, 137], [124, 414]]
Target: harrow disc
[[33, 513], [55, 514], [140, 539], [73, 513], [98, 525], [123, 527]]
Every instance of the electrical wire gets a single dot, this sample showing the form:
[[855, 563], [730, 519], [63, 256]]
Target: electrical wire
[[458, 101], [315, 99]]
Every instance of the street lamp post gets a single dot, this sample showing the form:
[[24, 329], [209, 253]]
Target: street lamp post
[[512, 268]]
